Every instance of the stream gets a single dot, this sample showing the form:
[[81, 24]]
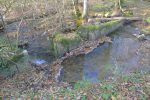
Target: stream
[[124, 55], [120, 57]]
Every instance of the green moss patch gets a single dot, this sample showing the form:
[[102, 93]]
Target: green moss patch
[[63, 43], [67, 39], [95, 31], [111, 23], [99, 27], [148, 20], [128, 13]]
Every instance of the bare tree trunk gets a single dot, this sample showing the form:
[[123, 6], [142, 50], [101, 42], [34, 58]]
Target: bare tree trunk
[[120, 5], [118, 8], [85, 9], [75, 4], [3, 23]]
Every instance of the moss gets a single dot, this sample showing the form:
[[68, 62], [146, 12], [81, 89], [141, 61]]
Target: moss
[[148, 20], [67, 39], [92, 32], [63, 43], [99, 27], [90, 27], [66, 42], [111, 23], [128, 13], [93, 27], [79, 22]]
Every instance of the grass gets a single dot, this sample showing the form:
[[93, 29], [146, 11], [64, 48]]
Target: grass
[[8, 52]]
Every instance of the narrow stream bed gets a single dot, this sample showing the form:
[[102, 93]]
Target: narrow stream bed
[[124, 55], [120, 57]]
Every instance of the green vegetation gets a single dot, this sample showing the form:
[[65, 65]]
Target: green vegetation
[[99, 27], [111, 24], [146, 31], [91, 27], [128, 13], [63, 43], [8, 53], [100, 8], [34, 20], [95, 31], [148, 20], [67, 40]]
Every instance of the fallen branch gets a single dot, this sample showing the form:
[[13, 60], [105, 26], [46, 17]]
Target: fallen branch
[[9, 21], [118, 18]]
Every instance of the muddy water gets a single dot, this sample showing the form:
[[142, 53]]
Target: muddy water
[[120, 57]]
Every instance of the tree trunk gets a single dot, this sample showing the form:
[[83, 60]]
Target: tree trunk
[[75, 4], [85, 9], [2, 23]]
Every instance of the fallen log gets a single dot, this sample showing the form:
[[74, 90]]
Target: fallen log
[[9, 21], [118, 18], [27, 16]]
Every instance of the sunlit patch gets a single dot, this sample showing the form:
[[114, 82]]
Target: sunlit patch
[[39, 61]]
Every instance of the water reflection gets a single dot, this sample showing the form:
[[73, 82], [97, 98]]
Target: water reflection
[[107, 60], [88, 67]]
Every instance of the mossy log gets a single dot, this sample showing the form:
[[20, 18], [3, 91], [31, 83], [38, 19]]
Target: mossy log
[[93, 32]]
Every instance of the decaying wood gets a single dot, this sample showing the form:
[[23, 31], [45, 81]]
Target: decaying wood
[[9, 21], [118, 18]]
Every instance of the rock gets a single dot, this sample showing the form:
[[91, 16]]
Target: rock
[[140, 36], [25, 52]]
